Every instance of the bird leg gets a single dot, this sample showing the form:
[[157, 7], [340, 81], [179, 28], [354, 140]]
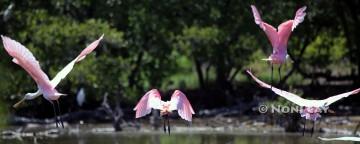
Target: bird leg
[[312, 129], [356, 129], [56, 121], [164, 124], [168, 121], [304, 127], [279, 73], [60, 119], [272, 71]]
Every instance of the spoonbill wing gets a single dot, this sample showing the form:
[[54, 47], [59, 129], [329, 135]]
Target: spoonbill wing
[[152, 99], [67, 69], [89, 49], [62, 74], [257, 17], [180, 103], [23, 57], [335, 98], [285, 28], [341, 139], [270, 31], [284, 32], [299, 17], [287, 95]]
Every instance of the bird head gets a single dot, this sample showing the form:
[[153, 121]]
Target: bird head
[[165, 108], [28, 96]]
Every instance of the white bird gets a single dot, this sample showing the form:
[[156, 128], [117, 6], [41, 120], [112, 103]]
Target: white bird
[[80, 97], [341, 139], [24, 58], [311, 108], [152, 100]]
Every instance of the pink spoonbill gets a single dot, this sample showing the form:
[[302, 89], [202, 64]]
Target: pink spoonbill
[[311, 108], [152, 100], [25, 59], [278, 37]]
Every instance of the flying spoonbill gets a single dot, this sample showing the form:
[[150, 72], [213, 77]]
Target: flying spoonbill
[[278, 37], [311, 108], [24, 58], [152, 100]]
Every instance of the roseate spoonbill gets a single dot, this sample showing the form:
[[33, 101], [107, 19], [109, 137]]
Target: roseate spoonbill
[[311, 108], [152, 100], [24, 58], [279, 38], [341, 139]]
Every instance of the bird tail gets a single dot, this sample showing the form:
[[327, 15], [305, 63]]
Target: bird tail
[[60, 94]]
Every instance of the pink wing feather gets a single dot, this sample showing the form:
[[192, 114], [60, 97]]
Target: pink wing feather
[[152, 99], [335, 98], [89, 49], [23, 57], [270, 31], [287, 95], [284, 32], [301, 101], [285, 28], [180, 103], [299, 17], [257, 17]]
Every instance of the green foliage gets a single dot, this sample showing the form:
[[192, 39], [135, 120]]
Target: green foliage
[[326, 50]]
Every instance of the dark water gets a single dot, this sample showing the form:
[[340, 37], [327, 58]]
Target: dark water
[[121, 138]]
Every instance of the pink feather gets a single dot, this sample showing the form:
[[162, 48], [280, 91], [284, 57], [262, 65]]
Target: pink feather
[[23, 57], [182, 105], [152, 99], [89, 49], [270, 31], [279, 38], [299, 17]]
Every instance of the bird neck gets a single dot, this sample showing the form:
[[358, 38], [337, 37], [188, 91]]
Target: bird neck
[[30, 96]]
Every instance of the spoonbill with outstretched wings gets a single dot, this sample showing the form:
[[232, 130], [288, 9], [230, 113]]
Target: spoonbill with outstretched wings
[[311, 108], [278, 37], [24, 58], [152, 100]]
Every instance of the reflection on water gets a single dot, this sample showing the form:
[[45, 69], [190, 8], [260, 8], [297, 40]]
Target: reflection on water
[[121, 138]]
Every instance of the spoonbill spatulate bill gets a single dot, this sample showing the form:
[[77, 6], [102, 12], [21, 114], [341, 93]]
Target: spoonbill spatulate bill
[[311, 108], [152, 100], [356, 139], [278, 37], [25, 59]]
